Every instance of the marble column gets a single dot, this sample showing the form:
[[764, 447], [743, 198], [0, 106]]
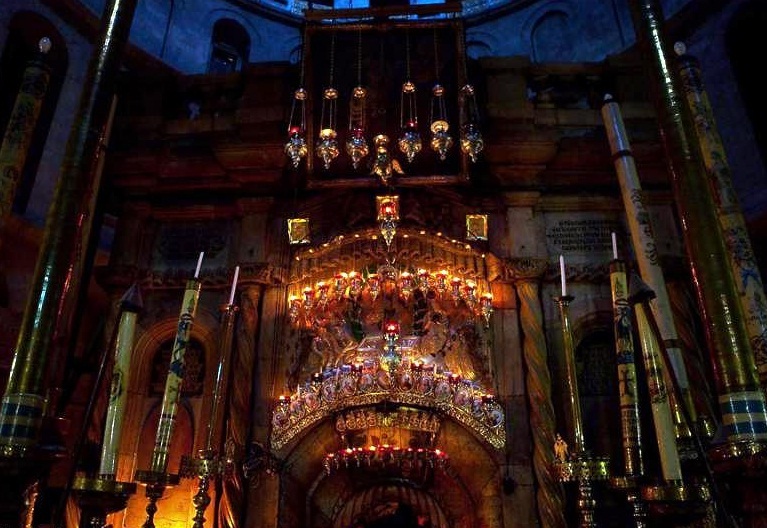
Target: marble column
[[550, 499], [231, 505]]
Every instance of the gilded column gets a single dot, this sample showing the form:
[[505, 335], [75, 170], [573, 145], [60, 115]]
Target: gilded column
[[232, 502], [21, 125], [23, 404], [741, 400], [739, 250], [550, 494]]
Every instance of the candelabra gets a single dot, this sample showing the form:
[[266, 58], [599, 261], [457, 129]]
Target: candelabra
[[581, 466]]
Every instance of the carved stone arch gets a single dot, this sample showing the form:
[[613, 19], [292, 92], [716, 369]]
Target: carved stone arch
[[459, 494], [596, 367]]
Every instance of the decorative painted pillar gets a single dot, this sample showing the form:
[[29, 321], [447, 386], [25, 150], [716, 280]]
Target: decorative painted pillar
[[741, 400], [739, 250], [24, 404], [550, 498], [21, 126], [231, 505]]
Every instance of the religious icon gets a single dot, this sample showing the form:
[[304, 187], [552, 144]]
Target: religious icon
[[560, 449]]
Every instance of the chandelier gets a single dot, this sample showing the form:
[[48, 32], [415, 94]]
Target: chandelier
[[386, 457], [344, 286]]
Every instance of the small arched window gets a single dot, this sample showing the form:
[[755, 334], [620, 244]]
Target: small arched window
[[25, 32], [230, 47]]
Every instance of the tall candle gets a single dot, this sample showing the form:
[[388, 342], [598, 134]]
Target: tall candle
[[130, 305], [159, 463], [615, 246], [562, 274], [199, 265], [234, 285]]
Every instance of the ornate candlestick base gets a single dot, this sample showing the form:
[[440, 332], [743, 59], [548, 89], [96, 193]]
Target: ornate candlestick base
[[155, 488], [206, 466], [676, 502], [98, 497], [584, 469], [629, 485]]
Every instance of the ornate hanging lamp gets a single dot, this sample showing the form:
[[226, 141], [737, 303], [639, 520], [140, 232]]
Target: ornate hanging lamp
[[356, 144], [441, 141], [388, 216], [471, 141], [410, 138], [296, 148], [327, 143]]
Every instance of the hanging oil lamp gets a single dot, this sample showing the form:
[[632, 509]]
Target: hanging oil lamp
[[296, 147], [388, 216], [441, 141], [327, 143], [356, 144], [471, 137], [384, 165], [410, 139]]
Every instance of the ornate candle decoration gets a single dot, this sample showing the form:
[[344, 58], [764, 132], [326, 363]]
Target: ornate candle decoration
[[157, 477], [631, 437], [390, 360], [656, 384], [130, 306], [410, 138]]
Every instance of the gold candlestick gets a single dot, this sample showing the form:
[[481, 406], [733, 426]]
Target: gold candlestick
[[209, 465], [580, 466]]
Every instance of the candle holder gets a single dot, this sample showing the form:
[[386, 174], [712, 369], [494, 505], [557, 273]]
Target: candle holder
[[581, 467], [155, 488], [676, 502], [99, 497], [207, 466]]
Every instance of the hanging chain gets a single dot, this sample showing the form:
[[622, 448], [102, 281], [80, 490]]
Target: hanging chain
[[407, 54], [359, 58], [436, 56], [302, 58], [332, 57]]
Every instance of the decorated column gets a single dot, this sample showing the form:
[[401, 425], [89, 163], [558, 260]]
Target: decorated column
[[741, 400], [741, 255], [550, 494], [21, 125]]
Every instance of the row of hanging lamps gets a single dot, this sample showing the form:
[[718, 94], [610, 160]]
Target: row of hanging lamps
[[327, 143], [441, 141], [356, 144], [410, 138]]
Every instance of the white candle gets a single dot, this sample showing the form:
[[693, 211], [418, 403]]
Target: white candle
[[234, 285], [562, 273], [199, 265], [615, 246]]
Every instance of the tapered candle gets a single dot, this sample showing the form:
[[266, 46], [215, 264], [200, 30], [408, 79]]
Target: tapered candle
[[130, 305], [159, 463], [615, 246], [234, 285], [562, 273], [199, 265]]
